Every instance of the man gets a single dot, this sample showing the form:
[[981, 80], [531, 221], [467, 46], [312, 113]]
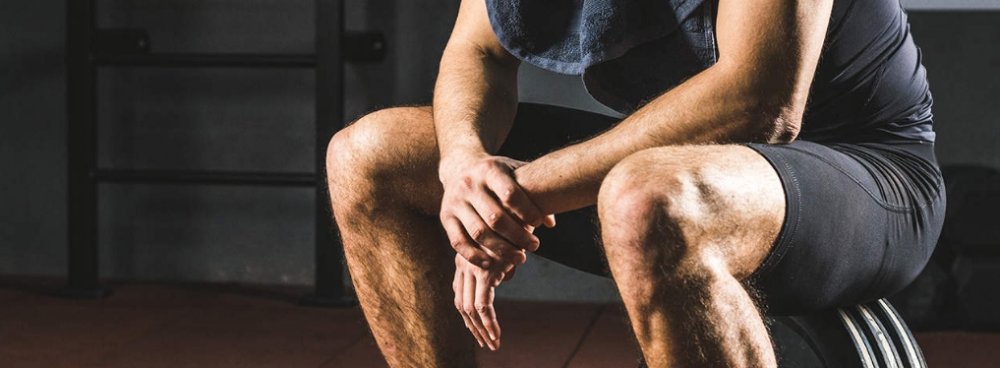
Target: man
[[775, 152]]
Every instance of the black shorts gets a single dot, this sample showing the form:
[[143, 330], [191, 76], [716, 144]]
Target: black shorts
[[861, 222]]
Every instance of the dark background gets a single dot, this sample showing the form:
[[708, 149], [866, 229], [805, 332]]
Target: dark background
[[262, 120]]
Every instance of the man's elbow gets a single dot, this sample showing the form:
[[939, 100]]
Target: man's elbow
[[771, 127], [784, 129], [776, 121]]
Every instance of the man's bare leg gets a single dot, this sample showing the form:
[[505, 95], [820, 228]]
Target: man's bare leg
[[382, 174], [681, 227]]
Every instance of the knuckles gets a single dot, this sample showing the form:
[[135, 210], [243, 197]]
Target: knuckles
[[506, 195], [466, 182], [486, 165], [532, 220], [493, 219], [457, 243], [478, 234]]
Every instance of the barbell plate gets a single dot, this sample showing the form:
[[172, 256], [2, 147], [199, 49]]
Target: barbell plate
[[907, 346], [864, 350], [879, 337]]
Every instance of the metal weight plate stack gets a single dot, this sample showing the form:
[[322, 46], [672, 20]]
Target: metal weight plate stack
[[870, 335]]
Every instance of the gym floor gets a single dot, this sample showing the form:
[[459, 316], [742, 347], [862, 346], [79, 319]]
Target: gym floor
[[197, 325]]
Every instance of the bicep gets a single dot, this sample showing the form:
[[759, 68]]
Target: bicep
[[473, 32], [773, 46]]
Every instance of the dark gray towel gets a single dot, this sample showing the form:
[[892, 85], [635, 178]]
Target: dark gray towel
[[568, 36]]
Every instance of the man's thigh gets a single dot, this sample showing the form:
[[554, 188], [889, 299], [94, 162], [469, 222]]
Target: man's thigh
[[861, 222]]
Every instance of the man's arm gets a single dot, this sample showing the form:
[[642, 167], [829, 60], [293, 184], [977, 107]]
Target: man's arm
[[475, 97], [756, 92], [487, 216]]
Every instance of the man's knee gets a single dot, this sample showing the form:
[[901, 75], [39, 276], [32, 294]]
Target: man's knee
[[700, 206], [369, 152], [654, 211], [356, 148]]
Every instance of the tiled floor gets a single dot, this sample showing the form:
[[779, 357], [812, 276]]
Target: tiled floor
[[163, 325]]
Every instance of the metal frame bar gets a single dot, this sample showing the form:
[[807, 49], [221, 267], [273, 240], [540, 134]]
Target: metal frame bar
[[83, 175], [329, 118], [81, 144], [206, 177], [210, 61]]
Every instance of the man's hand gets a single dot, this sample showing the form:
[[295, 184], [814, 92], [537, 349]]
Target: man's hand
[[474, 291], [488, 217]]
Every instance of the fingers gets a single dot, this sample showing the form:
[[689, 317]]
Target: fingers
[[549, 221], [509, 274], [462, 244], [474, 297], [484, 307], [469, 308], [502, 223], [512, 197], [481, 233], [492, 211], [496, 273], [458, 285]]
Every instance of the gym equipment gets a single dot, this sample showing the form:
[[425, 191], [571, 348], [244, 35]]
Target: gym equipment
[[869, 335], [90, 47]]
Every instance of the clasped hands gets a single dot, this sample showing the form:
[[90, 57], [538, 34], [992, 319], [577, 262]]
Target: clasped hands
[[489, 220]]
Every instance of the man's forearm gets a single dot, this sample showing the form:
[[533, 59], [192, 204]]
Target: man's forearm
[[475, 99], [712, 107]]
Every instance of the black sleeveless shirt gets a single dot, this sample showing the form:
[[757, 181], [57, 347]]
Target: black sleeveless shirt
[[870, 85]]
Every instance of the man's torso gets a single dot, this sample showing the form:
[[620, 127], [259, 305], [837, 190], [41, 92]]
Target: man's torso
[[869, 83]]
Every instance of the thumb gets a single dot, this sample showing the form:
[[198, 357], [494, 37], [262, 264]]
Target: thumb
[[549, 221]]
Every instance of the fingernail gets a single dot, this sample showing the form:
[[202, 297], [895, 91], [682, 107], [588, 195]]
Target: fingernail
[[494, 338], [485, 264]]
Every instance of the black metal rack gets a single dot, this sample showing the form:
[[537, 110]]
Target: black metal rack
[[86, 53]]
